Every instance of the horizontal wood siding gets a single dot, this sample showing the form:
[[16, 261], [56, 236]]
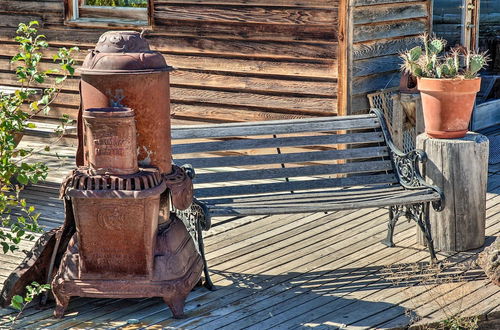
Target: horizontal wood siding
[[381, 30], [236, 60]]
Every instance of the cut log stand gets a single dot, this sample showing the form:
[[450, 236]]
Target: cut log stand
[[460, 168]]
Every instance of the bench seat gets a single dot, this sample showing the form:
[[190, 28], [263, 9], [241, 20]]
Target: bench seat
[[301, 166], [320, 201]]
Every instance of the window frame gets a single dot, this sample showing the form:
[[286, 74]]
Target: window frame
[[121, 17]]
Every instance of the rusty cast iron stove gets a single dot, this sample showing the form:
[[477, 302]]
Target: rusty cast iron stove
[[128, 241]]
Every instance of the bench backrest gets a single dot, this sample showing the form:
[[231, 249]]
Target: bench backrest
[[289, 155]]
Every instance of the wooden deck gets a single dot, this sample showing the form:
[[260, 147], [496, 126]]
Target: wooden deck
[[312, 270]]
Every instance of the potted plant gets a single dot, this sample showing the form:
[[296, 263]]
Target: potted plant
[[448, 84]]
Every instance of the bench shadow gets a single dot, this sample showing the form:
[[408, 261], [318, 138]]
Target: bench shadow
[[349, 296]]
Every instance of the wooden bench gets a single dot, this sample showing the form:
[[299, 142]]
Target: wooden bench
[[300, 166]]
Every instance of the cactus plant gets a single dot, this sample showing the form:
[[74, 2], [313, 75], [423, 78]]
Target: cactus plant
[[476, 62], [431, 62]]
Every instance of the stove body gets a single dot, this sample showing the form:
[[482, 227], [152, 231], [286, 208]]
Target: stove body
[[127, 242]]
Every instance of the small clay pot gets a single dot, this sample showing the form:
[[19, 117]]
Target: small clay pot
[[447, 105]]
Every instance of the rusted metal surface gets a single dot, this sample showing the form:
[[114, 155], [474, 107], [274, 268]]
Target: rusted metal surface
[[116, 220], [110, 135], [119, 250], [123, 71], [408, 84], [180, 186], [177, 269], [127, 242]]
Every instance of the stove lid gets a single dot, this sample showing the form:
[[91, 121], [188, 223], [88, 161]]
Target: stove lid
[[123, 52]]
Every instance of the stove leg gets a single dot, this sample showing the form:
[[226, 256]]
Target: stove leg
[[62, 303], [208, 282], [176, 305]]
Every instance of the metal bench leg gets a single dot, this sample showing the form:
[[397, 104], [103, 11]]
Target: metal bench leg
[[208, 282], [196, 218], [425, 225], [394, 214], [420, 214]]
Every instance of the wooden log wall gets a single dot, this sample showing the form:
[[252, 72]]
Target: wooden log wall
[[381, 29], [236, 60]]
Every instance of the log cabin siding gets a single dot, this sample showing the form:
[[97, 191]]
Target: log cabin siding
[[381, 30], [241, 60], [236, 60]]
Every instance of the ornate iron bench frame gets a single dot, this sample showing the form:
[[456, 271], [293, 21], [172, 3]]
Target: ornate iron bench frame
[[405, 167]]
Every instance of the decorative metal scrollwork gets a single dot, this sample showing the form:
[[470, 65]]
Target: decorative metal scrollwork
[[407, 164], [193, 217], [196, 218], [418, 212], [407, 168]]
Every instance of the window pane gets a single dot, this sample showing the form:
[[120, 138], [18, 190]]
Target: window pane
[[118, 3]]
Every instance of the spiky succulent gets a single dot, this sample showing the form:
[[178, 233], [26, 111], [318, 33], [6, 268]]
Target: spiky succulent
[[474, 63], [429, 62]]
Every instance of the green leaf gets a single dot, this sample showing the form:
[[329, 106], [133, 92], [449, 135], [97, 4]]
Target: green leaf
[[23, 179], [5, 247], [436, 46], [17, 302], [31, 125], [414, 53], [39, 78], [60, 80]]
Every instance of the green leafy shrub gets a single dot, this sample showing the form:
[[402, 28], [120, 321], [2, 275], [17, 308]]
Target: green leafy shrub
[[20, 303], [16, 111], [432, 62]]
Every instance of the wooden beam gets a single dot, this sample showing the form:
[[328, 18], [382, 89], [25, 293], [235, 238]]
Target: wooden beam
[[344, 72]]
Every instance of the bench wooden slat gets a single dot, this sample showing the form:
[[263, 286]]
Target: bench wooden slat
[[282, 127], [279, 142], [296, 185], [312, 156], [333, 197], [306, 196], [410, 197], [304, 171]]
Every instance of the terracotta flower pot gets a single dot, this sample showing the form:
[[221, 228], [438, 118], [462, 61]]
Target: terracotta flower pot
[[447, 105]]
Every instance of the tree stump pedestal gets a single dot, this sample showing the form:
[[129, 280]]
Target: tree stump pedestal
[[460, 168]]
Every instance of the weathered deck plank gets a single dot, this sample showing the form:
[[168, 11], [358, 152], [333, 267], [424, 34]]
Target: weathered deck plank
[[291, 271]]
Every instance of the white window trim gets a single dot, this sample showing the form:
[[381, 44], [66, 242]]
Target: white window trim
[[131, 16]]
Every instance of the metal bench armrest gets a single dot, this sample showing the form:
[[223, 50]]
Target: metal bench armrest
[[407, 164]]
